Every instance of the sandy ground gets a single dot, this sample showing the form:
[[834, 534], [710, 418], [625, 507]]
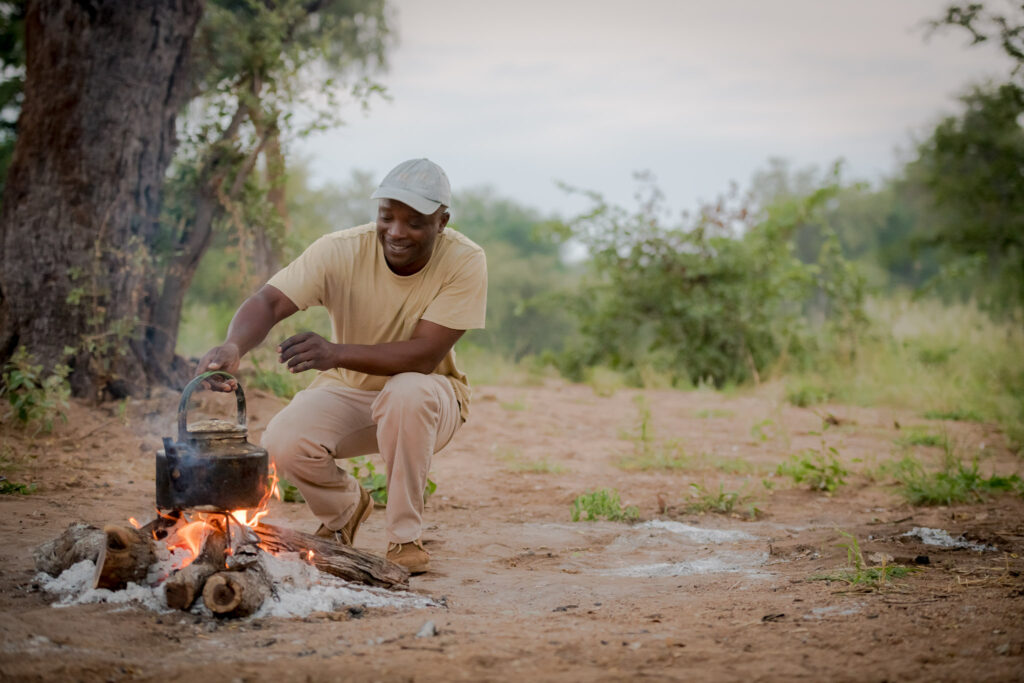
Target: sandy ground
[[524, 593]]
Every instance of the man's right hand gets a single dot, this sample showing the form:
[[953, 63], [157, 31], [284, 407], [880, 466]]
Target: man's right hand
[[225, 357]]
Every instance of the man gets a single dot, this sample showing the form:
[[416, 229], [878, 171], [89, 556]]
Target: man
[[400, 293]]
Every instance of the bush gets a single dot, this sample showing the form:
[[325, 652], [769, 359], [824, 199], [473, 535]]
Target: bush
[[719, 299], [35, 397]]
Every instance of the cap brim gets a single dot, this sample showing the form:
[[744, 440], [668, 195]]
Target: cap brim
[[424, 206]]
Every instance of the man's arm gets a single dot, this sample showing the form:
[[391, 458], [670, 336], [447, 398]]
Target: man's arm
[[426, 348], [252, 322]]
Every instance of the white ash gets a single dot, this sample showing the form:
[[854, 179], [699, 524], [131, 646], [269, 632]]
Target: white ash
[[726, 563], [941, 538], [74, 587], [697, 534], [299, 589]]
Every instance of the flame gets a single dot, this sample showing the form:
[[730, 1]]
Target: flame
[[188, 531], [134, 522], [310, 558], [190, 537]]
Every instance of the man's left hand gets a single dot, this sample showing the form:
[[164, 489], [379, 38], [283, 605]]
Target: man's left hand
[[307, 351]]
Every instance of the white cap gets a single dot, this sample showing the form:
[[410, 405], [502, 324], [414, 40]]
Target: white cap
[[420, 183]]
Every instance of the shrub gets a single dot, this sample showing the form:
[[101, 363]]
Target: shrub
[[605, 504], [35, 397], [820, 469], [719, 298]]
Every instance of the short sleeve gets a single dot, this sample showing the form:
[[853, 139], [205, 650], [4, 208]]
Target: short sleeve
[[462, 302], [304, 280]]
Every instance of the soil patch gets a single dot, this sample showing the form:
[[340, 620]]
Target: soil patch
[[520, 592]]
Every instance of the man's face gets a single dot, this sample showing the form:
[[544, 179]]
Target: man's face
[[407, 235]]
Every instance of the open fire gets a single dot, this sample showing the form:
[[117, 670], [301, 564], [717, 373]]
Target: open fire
[[185, 533], [218, 558]]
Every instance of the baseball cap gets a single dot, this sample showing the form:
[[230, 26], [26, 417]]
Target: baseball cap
[[420, 183]]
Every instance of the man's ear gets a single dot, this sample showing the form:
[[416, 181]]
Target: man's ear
[[445, 217]]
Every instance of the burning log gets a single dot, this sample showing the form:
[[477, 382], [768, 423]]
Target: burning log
[[186, 584], [78, 542], [339, 560], [236, 594], [124, 557]]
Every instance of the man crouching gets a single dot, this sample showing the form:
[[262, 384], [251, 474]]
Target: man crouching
[[400, 292]]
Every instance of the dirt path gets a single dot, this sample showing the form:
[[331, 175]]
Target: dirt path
[[524, 593]]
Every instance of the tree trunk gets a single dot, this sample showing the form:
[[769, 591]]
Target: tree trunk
[[80, 216]]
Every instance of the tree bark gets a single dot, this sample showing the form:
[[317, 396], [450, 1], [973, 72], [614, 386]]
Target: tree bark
[[80, 216]]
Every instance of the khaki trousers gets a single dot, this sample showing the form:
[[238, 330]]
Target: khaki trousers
[[410, 419]]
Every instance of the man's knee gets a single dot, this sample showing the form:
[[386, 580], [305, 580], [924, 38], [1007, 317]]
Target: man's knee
[[286, 446], [408, 391]]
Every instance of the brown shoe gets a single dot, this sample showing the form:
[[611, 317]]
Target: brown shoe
[[346, 535], [412, 555]]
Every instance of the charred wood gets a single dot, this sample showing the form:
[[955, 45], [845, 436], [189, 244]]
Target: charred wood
[[338, 560], [124, 557], [236, 594], [185, 585], [78, 542]]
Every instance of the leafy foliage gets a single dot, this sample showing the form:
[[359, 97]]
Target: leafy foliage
[[970, 167], [376, 482], [526, 275], [8, 487], [819, 468], [719, 299], [35, 397], [603, 503], [12, 82]]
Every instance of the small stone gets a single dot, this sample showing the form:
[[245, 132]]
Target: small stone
[[1003, 649], [428, 630]]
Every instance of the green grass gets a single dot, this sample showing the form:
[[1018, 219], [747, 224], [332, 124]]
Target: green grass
[[858, 573], [917, 436], [722, 502], [955, 482], [955, 415], [804, 391], [602, 504], [8, 487], [819, 469], [931, 358]]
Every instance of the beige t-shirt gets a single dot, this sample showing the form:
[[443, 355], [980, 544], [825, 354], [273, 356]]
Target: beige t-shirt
[[346, 273]]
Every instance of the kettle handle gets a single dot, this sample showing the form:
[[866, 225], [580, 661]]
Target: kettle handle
[[187, 394]]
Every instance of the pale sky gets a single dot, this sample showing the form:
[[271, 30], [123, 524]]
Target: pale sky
[[519, 95]]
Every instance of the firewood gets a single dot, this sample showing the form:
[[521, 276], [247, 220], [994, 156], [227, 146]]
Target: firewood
[[332, 558], [158, 527], [236, 594], [78, 542], [124, 557], [182, 588]]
